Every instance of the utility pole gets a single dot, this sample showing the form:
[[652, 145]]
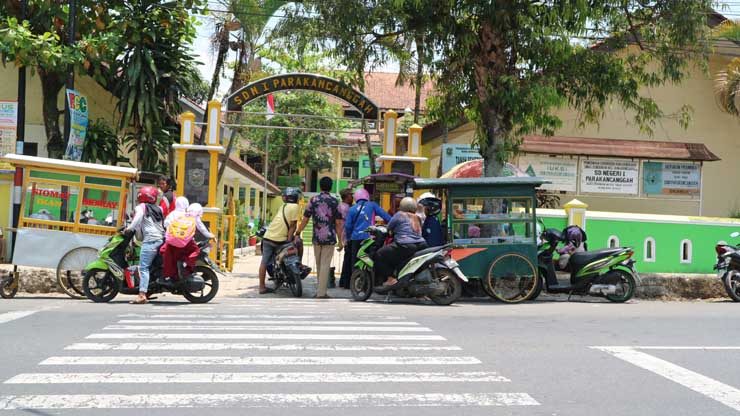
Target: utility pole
[[70, 71], [20, 137]]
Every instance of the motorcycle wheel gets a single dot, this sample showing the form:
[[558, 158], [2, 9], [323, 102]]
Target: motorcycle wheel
[[731, 281], [540, 285], [628, 285], [361, 285], [209, 290], [100, 286], [8, 288], [452, 292], [294, 284]]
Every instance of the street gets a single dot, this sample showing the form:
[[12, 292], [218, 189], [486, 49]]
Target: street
[[339, 357]]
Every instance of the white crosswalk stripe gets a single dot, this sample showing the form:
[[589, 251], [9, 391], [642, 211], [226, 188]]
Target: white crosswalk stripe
[[216, 346], [262, 344]]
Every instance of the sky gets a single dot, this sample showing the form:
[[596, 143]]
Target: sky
[[202, 48]]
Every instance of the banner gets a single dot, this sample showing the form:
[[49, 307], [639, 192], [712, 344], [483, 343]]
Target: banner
[[78, 121], [454, 154], [671, 178], [561, 171], [8, 130], [609, 176]]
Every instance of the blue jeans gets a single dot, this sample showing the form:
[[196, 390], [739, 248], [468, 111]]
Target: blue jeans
[[149, 252]]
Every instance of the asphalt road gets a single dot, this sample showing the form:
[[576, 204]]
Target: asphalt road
[[278, 355]]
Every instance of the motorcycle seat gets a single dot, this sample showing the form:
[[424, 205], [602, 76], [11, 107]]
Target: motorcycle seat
[[580, 260], [429, 250]]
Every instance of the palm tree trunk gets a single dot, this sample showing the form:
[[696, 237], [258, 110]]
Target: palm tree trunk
[[223, 49], [419, 76]]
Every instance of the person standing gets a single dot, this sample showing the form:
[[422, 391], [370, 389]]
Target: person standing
[[360, 217], [344, 206], [167, 186], [147, 223], [327, 231]]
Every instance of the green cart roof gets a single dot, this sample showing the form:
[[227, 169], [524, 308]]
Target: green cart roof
[[424, 183]]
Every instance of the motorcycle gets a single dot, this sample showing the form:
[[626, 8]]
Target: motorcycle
[[116, 271], [728, 267], [286, 269], [608, 273], [430, 272]]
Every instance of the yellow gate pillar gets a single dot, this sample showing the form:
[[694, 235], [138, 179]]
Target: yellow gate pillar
[[576, 212], [197, 167]]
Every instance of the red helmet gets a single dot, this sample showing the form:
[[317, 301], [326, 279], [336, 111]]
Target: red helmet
[[147, 195]]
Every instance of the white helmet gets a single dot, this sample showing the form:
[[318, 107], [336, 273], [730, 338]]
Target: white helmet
[[426, 195]]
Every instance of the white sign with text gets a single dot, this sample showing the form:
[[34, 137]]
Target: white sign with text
[[610, 176]]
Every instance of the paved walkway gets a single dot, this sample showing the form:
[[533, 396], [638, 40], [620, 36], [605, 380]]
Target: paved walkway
[[243, 281]]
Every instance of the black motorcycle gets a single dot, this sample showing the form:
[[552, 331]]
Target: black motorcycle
[[286, 269], [116, 271], [608, 273], [728, 267]]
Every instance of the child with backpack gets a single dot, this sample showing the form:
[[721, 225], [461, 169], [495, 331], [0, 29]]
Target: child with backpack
[[180, 242]]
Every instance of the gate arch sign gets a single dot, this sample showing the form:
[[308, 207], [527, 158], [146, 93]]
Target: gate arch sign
[[310, 82]]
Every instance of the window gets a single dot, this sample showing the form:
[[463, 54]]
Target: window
[[613, 242], [51, 202], [649, 250], [349, 169], [686, 251], [492, 221], [100, 207]]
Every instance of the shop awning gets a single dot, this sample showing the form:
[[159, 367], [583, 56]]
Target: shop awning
[[637, 149]]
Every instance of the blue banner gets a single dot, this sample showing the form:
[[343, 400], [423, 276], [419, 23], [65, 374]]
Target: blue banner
[[77, 104]]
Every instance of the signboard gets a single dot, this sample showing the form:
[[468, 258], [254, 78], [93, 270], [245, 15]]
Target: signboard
[[390, 187], [78, 122], [8, 129], [561, 171], [671, 178], [454, 154], [310, 82], [197, 174], [609, 176]]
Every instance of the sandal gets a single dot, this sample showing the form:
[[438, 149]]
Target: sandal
[[322, 297], [266, 291], [139, 301]]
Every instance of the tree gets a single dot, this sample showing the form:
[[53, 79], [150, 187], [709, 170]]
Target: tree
[[727, 82], [291, 149], [511, 64], [359, 35], [151, 72], [41, 42]]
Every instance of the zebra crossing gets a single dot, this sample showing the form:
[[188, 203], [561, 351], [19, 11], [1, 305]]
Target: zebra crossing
[[273, 353]]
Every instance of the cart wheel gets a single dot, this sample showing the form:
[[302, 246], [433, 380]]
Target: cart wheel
[[8, 287], [512, 278], [70, 270]]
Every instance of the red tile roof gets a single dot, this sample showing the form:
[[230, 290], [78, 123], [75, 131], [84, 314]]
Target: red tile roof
[[381, 88]]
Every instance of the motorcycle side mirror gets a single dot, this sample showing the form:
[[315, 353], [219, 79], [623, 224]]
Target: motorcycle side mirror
[[735, 234]]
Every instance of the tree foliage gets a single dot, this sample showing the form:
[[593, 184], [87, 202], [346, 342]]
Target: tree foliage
[[136, 49], [727, 81], [290, 150], [510, 65]]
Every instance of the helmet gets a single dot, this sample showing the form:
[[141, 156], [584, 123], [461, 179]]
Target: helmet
[[408, 204], [147, 195], [426, 195], [195, 210], [361, 194], [291, 195], [433, 204]]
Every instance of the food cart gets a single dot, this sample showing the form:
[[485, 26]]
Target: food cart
[[491, 223], [68, 211]]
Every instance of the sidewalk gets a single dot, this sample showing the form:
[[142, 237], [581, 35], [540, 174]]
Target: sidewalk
[[243, 281]]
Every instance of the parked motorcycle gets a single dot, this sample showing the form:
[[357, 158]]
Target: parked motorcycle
[[116, 271], [608, 273], [430, 272], [728, 267], [286, 269]]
